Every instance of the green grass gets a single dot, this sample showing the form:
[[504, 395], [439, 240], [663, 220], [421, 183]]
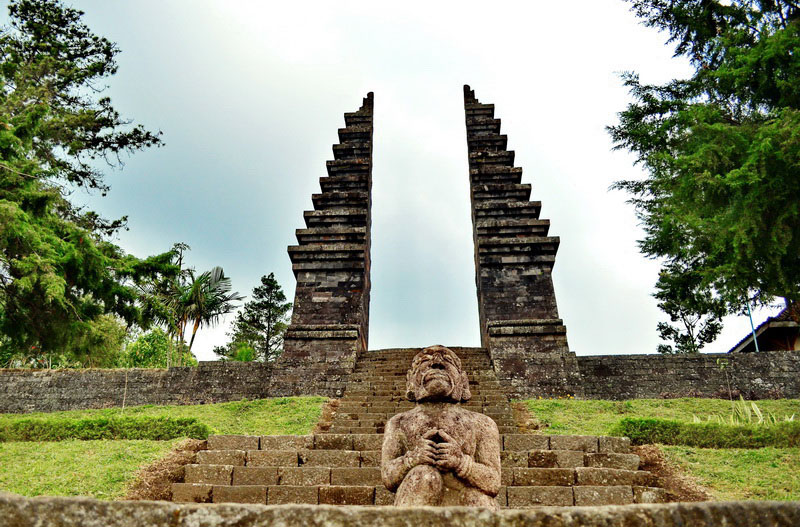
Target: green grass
[[99, 469], [595, 417], [286, 415], [739, 474], [729, 474]]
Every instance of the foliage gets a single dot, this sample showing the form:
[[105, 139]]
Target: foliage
[[151, 350], [116, 427], [58, 271], [242, 352], [745, 413], [184, 298], [736, 474], [694, 307], [722, 150], [598, 417], [99, 469], [280, 415], [643, 431], [260, 325]]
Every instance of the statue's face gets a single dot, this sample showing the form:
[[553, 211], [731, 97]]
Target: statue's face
[[436, 375]]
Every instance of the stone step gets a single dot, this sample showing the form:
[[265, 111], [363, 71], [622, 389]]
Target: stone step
[[348, 150], [286, 474], [348, 167], [341, 234], [340, 199], [504, 227], [597, 446], [501, 158], [481, 124], [357, 182], [528, 248], [508, 497], [476, 110], [356, 217], [507, 209], [494, 191], [487, 142], [355, 134]]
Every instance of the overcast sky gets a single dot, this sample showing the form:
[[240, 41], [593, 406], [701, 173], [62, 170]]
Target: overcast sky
[[250, 94]]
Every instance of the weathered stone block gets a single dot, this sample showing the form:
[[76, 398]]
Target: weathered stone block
[[622, 461], [272, 458], [530, 496], [543, 477], [370, 458], [510, 458], [383, 496], [367, 441], [522, 442], [502, 497], [287, 442], [590, 476], [211, 474], [330, 458], [649, 495], [221, 457], [283, 494], [191, 493], [590, 495], [233, 442], [255, 476], [339, 495], [240, 494], [356, 476], [579, 443], [333, 442], [304, 476], [618, 445]]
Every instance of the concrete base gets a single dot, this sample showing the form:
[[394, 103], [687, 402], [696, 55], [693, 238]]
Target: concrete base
[[17, 511]]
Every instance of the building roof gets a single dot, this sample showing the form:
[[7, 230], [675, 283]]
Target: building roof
[[782, 319]]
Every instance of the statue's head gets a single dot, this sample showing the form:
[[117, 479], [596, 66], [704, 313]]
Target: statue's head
[[436, 375]]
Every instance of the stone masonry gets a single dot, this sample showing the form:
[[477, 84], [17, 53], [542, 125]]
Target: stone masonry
[[514, 258], [340, 463], [331, 262]]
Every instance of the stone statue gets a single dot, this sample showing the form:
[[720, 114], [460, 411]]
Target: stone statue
[[439, 453]]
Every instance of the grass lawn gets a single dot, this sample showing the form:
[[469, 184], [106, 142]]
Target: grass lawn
[[740, 474], [596, 417], [285, 415], [729, 474], [99, 469]]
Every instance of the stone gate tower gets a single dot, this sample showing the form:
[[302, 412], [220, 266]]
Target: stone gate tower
[[331, 262], [514, 258]]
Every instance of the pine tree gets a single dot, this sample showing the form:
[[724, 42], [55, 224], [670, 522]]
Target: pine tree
[[261, 323], [58, 269], [721, 200]]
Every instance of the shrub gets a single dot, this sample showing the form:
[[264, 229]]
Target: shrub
[[708, 435], [123, 427]]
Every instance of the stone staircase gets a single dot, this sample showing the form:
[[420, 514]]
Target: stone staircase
[[340, 464]]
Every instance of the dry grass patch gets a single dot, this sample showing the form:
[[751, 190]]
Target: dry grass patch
[[679, 486], [154, 481]]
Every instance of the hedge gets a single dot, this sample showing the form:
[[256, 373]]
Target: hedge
[[708, 435], [139, 427]]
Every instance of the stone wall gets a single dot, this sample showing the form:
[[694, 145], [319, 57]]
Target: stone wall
[[52, 390], [17, 511], [765, 375]]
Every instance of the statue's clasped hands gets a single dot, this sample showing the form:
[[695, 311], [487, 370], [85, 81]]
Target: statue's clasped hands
[[446, 455]]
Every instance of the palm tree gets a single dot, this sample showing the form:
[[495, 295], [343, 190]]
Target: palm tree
[[208, 298]]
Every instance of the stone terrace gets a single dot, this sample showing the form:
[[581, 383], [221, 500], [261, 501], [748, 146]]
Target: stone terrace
[[340, 465]]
